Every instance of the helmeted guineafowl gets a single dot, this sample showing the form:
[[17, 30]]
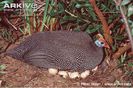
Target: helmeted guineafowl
[[74, 51]]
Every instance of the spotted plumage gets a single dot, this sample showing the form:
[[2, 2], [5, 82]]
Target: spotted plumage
[[74, 51]]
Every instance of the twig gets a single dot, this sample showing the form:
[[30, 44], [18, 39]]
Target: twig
[[122, 28], [8, 45], [10, 23], [113, 23], [127, 27], [105, 27], [71, 14], [118, 3], [121, 50], [76, 16], [41, 6]]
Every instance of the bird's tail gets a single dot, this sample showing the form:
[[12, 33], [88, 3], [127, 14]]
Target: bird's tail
[[17, 52]]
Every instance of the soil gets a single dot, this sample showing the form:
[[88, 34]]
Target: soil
[[20, 74]]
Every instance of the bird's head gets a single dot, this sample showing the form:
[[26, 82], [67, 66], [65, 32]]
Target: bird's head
[[101, 42]]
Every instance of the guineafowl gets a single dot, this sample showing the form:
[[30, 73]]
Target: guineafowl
[[73, 51]]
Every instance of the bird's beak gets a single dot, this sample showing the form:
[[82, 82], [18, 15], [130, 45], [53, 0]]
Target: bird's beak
[[101, 39], [105, 43]]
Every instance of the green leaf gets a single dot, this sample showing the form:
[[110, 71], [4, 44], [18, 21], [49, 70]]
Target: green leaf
[[92, 29], [21, 31], [1, 8], [69, 18], [78, 5], [52, 12], [104, 7], [119, 37], [45, 14], [114, 48], [123, 58], [2, 67], [130, 11], [3, 3], [61, 8], [125, 2], [6, 1], [130, 64], [91, 11], [132, 29]]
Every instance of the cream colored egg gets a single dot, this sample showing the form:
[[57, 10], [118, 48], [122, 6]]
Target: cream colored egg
[[64, 74], [84, 74], [53, 71], [74, 75], [95, 69]]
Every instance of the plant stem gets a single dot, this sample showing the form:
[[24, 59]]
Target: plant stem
[[127, 27]]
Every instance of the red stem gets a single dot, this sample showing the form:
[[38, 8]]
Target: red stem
[[105, 26]]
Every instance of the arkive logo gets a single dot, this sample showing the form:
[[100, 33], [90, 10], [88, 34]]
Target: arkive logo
[[20, 6]]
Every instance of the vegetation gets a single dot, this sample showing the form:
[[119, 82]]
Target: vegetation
[[113, 19]]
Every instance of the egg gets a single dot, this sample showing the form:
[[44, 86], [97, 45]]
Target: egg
[[64, 74], [84, 74], [53, 71], [74, 75], [95, 69]]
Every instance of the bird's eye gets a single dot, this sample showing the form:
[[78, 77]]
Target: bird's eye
[[99, 43], [102, 43]]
